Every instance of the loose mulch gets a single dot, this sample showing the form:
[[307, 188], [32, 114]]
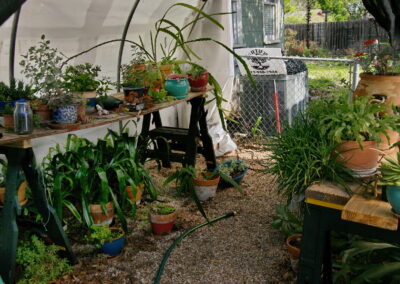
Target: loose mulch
[[240, 249]]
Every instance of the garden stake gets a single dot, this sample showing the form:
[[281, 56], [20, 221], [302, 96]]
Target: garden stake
[[278, 120], [181, 237]]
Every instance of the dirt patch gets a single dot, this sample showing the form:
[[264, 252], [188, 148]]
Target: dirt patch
[[241, 249]]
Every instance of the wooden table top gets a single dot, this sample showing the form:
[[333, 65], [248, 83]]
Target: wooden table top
[[12, 139], [354, 208]]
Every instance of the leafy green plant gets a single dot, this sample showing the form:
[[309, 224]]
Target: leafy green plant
[[131, 76], [196, 71], [42, 67], [359, 121], [369, 262], [138, 56], [16, 90], [256, 132], [40, 263], [286, 222], [8, 109], [102, 234], [390, 171], [233, 168], [303, 155], [85, 78], [162, 209]]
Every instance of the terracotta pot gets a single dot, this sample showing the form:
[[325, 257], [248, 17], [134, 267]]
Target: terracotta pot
[[198, 84], [8, 121], [82, 114], [162, 224], [292, 248], [205, 189], [21, 193], [356, 158], [139, 192], [386, 85], [384, 145], [166, 70], [99, 217], [45, 113], [139, 67]]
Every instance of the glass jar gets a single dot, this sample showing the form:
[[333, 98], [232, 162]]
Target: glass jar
[[23, 118]]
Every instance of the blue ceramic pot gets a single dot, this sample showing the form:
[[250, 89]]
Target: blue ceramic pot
[[66, 114], [91, 102], [238, 179], [114, 247], [177, 86], [4, 103], [393, 196]]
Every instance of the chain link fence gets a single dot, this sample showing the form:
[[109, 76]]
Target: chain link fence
[[253, 116]]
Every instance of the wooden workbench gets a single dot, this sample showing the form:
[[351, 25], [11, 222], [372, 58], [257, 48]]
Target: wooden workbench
[[331, 208]]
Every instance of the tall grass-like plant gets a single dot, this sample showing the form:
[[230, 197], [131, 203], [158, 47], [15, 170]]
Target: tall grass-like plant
[[301, 156], [369, 262], [85, 172]]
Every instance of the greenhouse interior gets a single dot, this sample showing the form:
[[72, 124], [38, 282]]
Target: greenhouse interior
[[199, 141]]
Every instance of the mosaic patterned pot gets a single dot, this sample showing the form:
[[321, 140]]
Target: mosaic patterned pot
[[66, 114]]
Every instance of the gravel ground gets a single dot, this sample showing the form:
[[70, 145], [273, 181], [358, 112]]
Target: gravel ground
[[241, 249]]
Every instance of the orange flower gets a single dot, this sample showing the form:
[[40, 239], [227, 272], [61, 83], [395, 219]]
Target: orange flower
[[369, 42], [359, 54]]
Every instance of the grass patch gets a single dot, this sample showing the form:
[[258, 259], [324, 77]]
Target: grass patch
[[327, 78]]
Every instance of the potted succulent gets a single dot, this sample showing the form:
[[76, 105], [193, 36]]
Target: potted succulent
[[8, 116], [110, 240], [236, 169], [162, 218], [198, 78], [21, 188], [45, 76], [390, 177], [357, 127]]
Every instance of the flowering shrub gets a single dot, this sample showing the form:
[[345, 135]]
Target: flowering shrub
[[379, 58]]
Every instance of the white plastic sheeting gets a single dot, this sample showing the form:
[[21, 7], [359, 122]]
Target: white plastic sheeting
[[76, 25]]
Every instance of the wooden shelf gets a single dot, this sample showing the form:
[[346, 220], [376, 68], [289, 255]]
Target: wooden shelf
[[12, 139]]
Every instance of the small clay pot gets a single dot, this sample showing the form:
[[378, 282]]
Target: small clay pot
[[99, 217], [162, 224], [139, 192]]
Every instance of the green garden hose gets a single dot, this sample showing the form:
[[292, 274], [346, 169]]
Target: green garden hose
[[181, 237]]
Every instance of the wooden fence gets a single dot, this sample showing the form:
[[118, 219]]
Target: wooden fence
[[341, 35]]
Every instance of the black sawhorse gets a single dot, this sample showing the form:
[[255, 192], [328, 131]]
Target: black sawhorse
[[181, 144], [23, 158]]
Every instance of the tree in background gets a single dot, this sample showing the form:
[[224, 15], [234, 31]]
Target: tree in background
[[343, 10], [309, 6]]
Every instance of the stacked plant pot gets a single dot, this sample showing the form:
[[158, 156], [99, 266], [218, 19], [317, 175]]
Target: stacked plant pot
[[384, 88]]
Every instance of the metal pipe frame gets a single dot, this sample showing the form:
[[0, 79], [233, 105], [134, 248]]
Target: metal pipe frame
[[121, 46], [12, 45]]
